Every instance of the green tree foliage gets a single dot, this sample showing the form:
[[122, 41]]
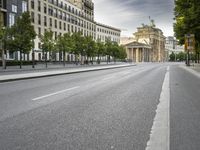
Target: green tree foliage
[[181, 56], [79, 47], [187, 14], [90, 47], [21, 35], [108, 49], [100, 50], [3, 41], [65, 44], [172, 56], [47, 44], [122, 53]]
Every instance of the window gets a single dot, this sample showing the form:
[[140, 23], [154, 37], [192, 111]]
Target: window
[[45, 21], [39, 6], [55, 23], [39, 31], [32, 4], [32, 17], [24, 6], [11, 19], [56, 35], [60, 25], [39, 19], [45, 8], [14, 8], [50, 22], [64, 24]]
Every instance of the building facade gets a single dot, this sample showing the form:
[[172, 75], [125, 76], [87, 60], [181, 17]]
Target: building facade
[[61, 16], [104, 32], [138, 52], [11, 10], [154, 37], [172, 45], [3, 13]]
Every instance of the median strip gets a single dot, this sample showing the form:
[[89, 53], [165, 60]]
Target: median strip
[[56, 93]]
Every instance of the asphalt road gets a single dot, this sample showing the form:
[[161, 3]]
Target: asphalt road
[[101, 110]]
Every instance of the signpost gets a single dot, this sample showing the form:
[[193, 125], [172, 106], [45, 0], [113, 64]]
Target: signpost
[[189, 46]]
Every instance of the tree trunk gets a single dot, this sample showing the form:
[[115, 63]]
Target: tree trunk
[[3, 60], [64, 58], [46, 59], [33, 59], [20, 59]]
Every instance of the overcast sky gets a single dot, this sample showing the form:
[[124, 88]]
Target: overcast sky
[[130, 14]]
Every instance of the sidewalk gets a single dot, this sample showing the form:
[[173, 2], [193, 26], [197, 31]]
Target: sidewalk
[[194, 69], [12, 75]]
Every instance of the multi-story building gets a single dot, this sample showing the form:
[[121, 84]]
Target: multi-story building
[[171, 45], [2, 24], [154, 37], [104, 32], [61, 16], [3, 12], [10, 10]]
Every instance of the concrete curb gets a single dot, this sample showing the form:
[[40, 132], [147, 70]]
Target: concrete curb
[[16, 77]]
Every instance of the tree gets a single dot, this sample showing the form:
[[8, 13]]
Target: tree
[[100, 50], [122, 53], [3, 40], [115, 51], [90, 47], [186, 14], [47, 43], [79, 47], [108, 48], [21, 35], [181, 56], [172, 57], [65, 44]]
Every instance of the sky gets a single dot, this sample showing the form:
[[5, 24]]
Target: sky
[[127, 15]]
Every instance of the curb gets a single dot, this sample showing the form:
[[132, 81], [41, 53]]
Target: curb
[[61, 73]]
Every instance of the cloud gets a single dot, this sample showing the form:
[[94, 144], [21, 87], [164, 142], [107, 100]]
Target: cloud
[[130, 14]]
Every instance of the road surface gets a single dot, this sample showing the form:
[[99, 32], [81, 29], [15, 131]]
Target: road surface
[[112, 109]]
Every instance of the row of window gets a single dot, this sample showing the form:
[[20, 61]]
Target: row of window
[[58, 24], [62, 7], [108, 32], [12, 15], [53, 12]]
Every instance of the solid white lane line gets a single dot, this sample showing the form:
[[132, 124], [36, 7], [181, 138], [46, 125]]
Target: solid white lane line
[[52, 94], [160, 132]]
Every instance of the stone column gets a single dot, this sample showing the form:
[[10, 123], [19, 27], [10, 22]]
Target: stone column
[[143, 55], [137, 55]]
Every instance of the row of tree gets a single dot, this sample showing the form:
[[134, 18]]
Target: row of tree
[[85, 49], [181, 56], [187, 14], [20, 38]]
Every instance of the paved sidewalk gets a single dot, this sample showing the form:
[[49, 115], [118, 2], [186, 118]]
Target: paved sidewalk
[[45, 73], [194, 69]]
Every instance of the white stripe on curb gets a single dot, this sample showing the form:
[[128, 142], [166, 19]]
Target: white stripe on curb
[[160, 132]]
